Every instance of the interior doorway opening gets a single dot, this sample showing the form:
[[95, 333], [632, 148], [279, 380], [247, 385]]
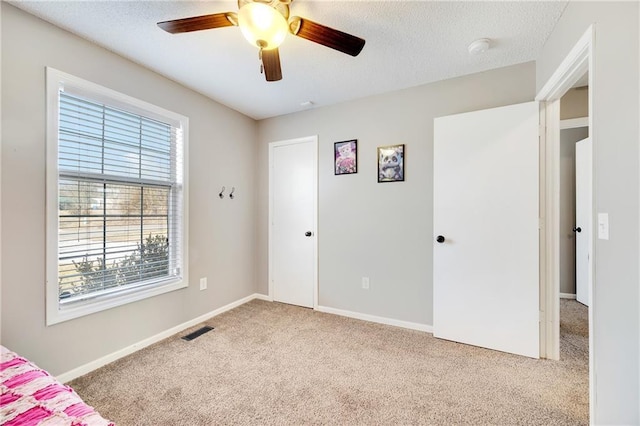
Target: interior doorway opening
[[575, 221], [575, 183]]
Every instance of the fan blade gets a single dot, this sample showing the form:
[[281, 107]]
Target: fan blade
[[343, 42], [271, 63], [197, 23]]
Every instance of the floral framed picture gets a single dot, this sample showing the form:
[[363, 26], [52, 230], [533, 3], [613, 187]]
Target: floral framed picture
[[345, 157], [391, 163]]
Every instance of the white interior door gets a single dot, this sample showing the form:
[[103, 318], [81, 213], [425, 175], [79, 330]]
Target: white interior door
[[584, 220], [486, 286], [292, 231]]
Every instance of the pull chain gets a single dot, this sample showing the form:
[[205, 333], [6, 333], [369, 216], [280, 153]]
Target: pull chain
[[260, 58]]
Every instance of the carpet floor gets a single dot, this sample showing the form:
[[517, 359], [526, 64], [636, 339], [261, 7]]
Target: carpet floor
[[272, 363]]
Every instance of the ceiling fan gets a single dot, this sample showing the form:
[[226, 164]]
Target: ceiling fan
[[265, 23]]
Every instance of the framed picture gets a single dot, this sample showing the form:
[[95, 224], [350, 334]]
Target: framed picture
[[391, 163], [345, 157]]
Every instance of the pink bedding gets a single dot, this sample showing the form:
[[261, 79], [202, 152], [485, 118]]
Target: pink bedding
[[31, 396]]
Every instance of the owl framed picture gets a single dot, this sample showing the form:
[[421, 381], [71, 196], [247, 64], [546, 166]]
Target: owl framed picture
[[391, 163]]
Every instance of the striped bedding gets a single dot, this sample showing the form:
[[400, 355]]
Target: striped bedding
[[31, 396]]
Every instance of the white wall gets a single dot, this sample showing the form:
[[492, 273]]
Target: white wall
[[222, 152], [381, 230], [616, 136], [575, 103]]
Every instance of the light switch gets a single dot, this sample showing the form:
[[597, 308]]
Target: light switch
[[603, 226]]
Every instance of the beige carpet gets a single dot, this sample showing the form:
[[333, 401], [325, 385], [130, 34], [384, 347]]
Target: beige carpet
[[271, 363]]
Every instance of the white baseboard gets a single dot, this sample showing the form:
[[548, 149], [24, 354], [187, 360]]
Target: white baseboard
[[100, 362], [567, 296], [376, 319], [263, 297]]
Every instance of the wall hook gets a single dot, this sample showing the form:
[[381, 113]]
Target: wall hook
[[231, 193], [221, 194]]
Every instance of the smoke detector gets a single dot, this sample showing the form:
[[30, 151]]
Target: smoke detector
[[478, 46]]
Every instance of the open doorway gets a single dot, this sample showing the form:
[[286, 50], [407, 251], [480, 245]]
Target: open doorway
[[576, 205], [574, 129]]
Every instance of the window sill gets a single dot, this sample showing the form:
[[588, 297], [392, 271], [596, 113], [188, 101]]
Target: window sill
[[98, 304]]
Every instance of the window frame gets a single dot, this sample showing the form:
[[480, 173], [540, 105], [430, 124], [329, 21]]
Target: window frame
[[57, 81]]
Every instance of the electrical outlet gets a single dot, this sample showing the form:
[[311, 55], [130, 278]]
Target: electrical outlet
[[365, 283], [203, 283]]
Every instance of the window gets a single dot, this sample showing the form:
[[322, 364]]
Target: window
[[115, 199]]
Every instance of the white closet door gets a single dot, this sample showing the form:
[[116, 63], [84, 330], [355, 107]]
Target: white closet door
[[293, 183]]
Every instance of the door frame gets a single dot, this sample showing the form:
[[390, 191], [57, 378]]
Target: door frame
[[272, 145], [579, 60]]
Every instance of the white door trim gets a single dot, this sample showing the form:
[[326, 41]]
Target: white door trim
[[307, 139], [549, 235], [579, 60]]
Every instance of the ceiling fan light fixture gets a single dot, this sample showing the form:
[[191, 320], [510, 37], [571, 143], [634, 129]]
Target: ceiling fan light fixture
[[262, 25]]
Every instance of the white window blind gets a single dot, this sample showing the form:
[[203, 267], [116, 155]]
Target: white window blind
[[119, 201]]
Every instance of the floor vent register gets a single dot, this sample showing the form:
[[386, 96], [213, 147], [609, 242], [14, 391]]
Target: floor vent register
[[199, 332]]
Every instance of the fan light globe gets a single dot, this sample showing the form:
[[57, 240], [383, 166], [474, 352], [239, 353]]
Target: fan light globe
[[262, 25]]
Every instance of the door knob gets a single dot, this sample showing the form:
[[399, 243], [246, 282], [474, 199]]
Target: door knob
[[308, 234], [577, 229], [440, 239]]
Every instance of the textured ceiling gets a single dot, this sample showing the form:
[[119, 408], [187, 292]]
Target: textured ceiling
[[408, 43]]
